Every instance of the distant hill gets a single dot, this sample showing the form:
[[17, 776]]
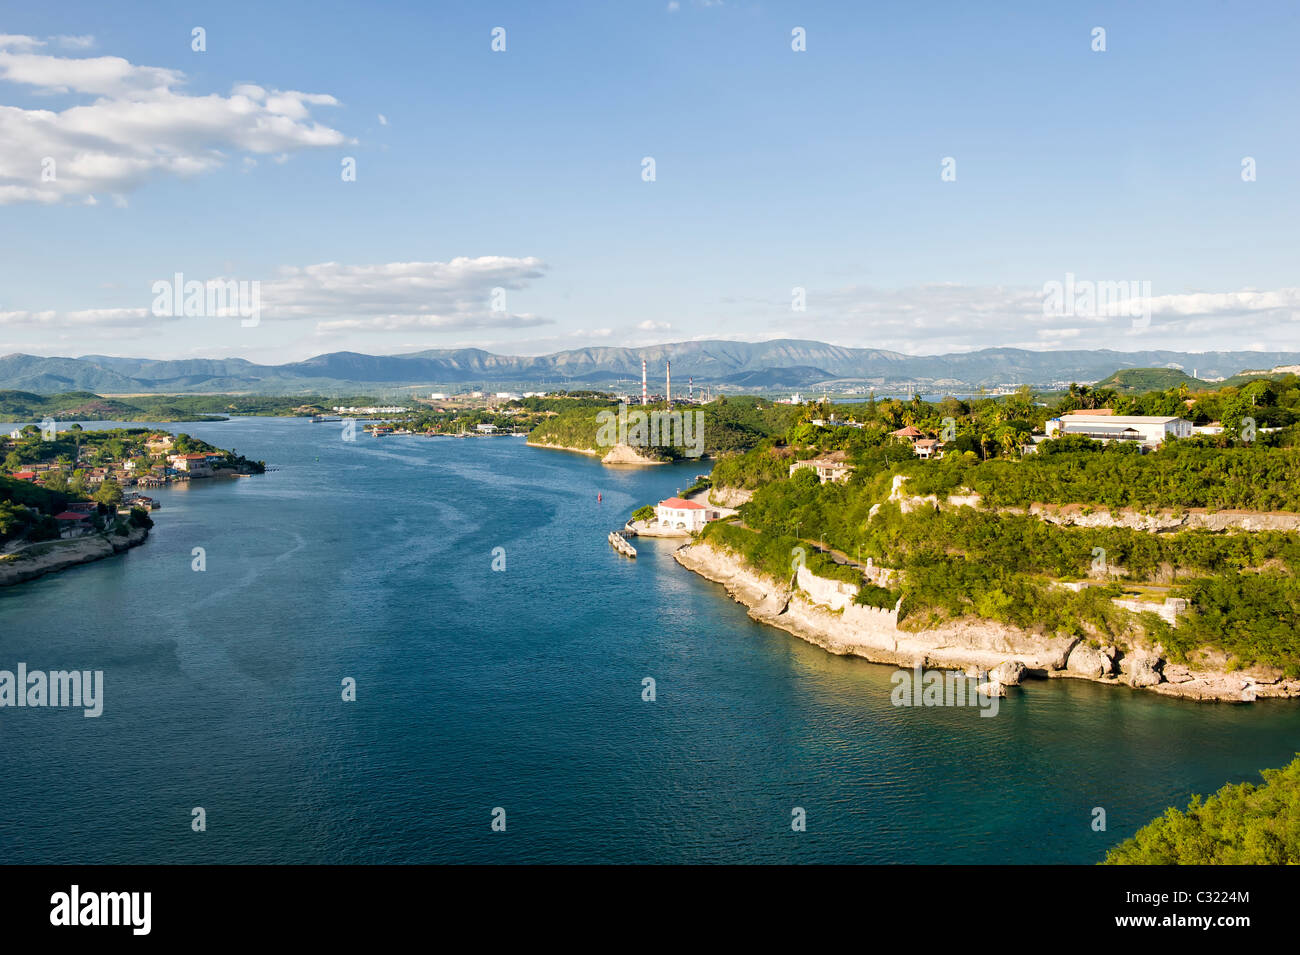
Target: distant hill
[[1247, 377], [784, 363], [1137, 381], [26, 407], [799, 376]]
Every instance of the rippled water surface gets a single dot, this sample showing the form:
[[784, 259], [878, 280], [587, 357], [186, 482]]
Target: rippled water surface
[[522, 690]]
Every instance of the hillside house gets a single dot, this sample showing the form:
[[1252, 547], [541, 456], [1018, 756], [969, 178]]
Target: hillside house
[[928, 448], [829, 467]]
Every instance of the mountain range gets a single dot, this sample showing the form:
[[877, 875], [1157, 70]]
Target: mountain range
[[730, 365]]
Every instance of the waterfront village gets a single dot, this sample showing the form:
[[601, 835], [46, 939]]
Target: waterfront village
[[71, 483]]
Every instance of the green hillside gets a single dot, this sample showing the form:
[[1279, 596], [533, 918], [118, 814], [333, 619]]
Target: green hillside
[[1136, 381], [730, 424]]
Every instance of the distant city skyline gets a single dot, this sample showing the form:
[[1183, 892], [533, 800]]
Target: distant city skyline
[[854, 191]]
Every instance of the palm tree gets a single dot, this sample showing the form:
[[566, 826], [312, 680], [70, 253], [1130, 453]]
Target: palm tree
[[1008, 441]]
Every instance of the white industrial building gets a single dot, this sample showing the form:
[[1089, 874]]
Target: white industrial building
[[1147, 430]]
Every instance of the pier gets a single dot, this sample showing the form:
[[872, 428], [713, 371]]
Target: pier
[[620, 544]]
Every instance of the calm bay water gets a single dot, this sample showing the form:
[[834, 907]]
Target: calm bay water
[[522, 689]]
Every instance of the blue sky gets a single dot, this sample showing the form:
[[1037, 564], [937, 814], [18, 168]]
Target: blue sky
[[522, 170]]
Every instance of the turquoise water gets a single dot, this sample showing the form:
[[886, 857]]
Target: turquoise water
[[522, 689]]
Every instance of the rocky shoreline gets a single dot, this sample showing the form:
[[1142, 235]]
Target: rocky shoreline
[[618, 454], [816, 611], [54, 556]]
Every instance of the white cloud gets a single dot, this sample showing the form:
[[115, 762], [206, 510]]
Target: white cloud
[[383, 120], [390, 297], [116, 317], [137, 125], [942, 317], [431, 322], [9, 41], [74, 42], [649, 326]]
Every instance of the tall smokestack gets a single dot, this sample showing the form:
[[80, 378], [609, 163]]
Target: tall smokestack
[[644, 400], [690, 388], [668, 383]]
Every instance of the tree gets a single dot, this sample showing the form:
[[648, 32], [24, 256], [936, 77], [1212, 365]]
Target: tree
[[1009, 441], [109, 493], [55, 481], [1239, 825], [1237, 416]]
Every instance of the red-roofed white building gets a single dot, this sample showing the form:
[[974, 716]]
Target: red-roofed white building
[[197, 464], [684, 515]]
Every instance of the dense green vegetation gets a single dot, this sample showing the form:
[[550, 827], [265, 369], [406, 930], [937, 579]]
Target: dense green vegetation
[[1182, 474], [1243, 589], [517, 415], [1245, 824], [730, 425], [965, 561], [1136, 381], [776, 555], [26, 510]]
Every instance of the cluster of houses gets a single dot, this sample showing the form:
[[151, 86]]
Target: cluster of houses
[[131, 472], [835, 466], [77, 520]]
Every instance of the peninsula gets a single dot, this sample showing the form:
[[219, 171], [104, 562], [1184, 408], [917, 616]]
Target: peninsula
[[77, 495]]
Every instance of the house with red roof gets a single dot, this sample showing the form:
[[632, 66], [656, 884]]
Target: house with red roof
[[196, 465], [24, 475], [676, 513], [908, 434]]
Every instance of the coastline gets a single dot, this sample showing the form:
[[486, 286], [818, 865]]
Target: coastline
[[618, 454], [968, 644], [60, 555]]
